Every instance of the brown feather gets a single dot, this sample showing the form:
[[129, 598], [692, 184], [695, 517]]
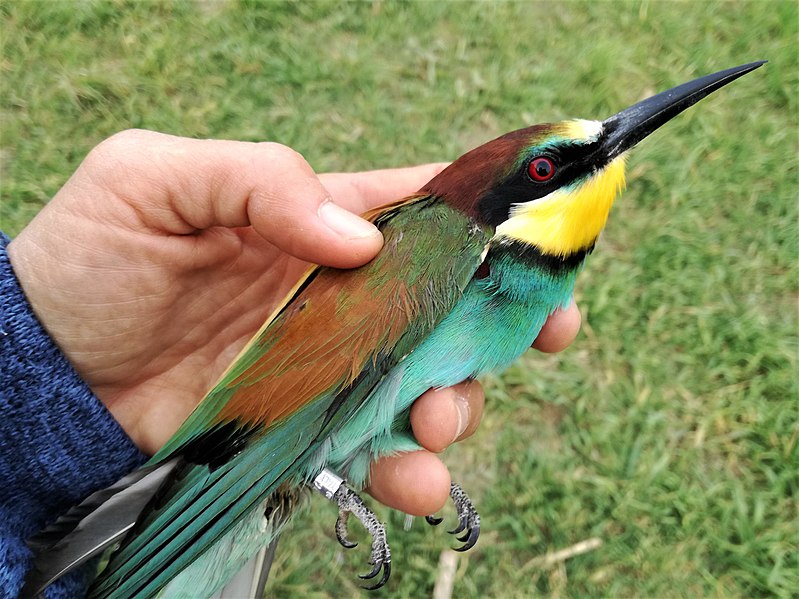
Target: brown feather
[[463, 182], [328, 331]]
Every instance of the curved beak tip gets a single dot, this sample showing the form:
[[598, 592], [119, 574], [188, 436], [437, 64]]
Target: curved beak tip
[[626, 128]]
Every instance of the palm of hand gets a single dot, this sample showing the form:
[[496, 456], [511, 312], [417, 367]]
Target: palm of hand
[[153, 357], [151, 321]]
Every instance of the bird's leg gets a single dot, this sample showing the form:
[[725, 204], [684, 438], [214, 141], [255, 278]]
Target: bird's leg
[[333, 488], [469, 523]]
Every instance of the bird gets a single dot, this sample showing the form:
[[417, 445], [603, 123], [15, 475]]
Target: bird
[[472, 266]]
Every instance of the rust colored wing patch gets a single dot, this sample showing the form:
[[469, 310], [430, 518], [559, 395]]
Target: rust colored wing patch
[[331, 330], [336, 323]]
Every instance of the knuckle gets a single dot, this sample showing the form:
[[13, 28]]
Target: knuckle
[[123, 141], [277, 153], [118, 148]]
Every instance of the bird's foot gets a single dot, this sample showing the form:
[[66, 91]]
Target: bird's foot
[[469, 523], [348, 501]]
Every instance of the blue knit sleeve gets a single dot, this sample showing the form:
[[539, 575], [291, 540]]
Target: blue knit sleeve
[[58, 443]]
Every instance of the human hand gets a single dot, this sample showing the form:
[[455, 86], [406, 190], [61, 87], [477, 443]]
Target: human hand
[[161, 256]]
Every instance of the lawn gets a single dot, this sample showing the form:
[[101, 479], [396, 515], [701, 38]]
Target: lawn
[[666, 436]]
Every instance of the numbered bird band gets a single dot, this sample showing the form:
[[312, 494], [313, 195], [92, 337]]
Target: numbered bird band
[[327, 483]]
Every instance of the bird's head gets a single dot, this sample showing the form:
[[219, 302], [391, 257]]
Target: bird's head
[[551, 186]]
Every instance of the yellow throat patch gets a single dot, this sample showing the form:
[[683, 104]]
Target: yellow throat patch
[[567, 220]]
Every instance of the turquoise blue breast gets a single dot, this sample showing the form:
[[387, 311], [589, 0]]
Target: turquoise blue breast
[[496, 320]]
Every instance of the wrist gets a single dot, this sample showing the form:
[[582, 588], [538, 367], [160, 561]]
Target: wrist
[[58, 442]]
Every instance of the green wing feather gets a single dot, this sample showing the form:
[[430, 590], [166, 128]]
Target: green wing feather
[[321, 354]]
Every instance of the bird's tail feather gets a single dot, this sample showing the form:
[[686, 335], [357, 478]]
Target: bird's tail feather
[[224, 558], [202, 508], [89, 528], [173, 543]]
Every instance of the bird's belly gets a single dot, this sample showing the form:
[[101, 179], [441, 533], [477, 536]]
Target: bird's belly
[[486, 331]]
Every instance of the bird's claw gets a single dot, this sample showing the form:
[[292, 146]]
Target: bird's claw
[[433, 520], [341, 530], [385, 566], [469, 519], [350, 503]]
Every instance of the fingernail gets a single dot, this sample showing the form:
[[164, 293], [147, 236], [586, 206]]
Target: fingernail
[[346, 223], [464, 415]]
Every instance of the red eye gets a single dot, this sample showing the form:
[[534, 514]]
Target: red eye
[[541, 169]]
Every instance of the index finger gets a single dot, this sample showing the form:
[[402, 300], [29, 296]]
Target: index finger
[[359, 192]]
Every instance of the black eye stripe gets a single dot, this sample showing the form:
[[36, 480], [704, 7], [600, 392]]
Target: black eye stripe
[[571, 161]]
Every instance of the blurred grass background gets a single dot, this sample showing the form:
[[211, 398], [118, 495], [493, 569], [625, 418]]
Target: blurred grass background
[[669, 430]]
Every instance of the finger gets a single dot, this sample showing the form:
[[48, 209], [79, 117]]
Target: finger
[[442, 416], [363, 191], [416, 483], [181, 186], [560, 329]]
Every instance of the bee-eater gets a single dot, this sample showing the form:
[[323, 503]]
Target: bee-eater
[[471, 268]]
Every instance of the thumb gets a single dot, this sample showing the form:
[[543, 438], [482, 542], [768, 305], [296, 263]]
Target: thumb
[[180, 186]]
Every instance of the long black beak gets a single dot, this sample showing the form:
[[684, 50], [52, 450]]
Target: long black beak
[[626, 128]]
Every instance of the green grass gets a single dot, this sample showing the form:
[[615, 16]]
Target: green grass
[[669, 430]]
